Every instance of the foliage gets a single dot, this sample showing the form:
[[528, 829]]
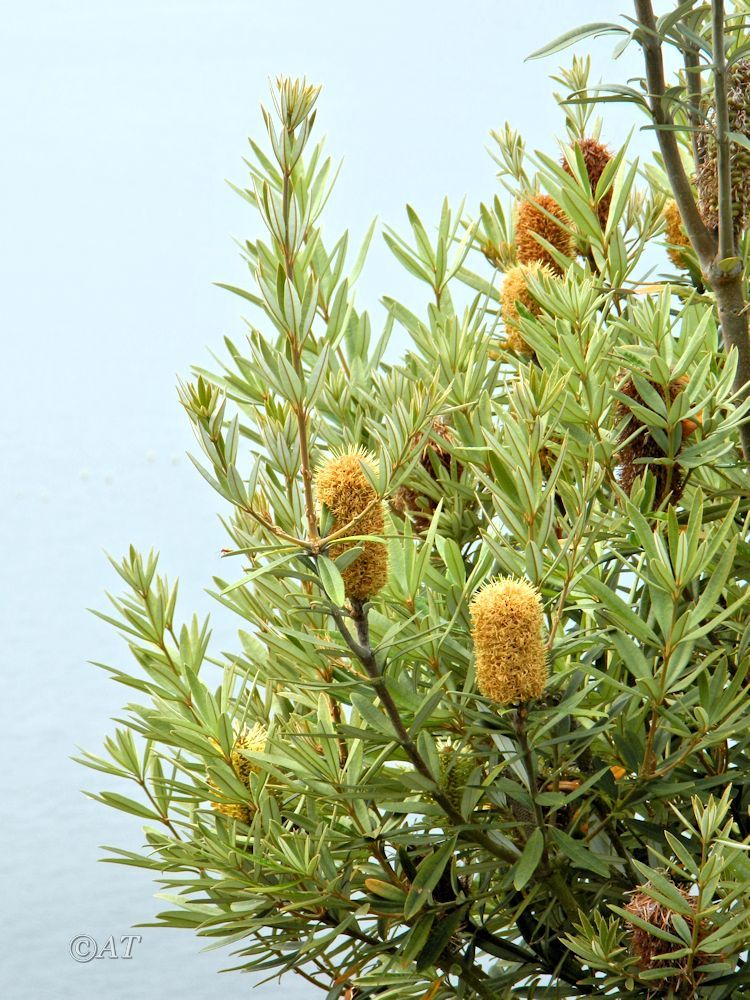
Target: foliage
[[392, 832]]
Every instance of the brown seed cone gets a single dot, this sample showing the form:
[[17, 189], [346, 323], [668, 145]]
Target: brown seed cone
[[596, 156], [669, 481], [738, 106], [534, 217], [707, 183], [434, 449], [345, 490], [647, 946], [507, 623], [676, 235], [456, 767], [520, 812], [516, 289], [407, 501]]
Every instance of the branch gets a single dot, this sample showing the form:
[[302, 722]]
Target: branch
[[648, 39], [299, 409], [362, 649], [726, 285]]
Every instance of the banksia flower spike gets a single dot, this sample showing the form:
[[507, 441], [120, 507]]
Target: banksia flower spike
[[635, 455], [516, 289], [343, 487], [646, 946], [543, 217], [507, 624], [253, 740], [596, 156], [676, 235]]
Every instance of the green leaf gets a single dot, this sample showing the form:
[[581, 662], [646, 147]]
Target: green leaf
[[262, 570], [594, 29], [371, 715], [578, 854], [620, 614], [255, 299], [125, 804], [427, 877], [527, 863], [332, 580], [441, 933], [631, 655]]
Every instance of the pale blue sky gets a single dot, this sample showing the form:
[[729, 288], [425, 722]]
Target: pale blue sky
[[119, 124]]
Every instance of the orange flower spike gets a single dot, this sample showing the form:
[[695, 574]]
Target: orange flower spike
[[542, 216]]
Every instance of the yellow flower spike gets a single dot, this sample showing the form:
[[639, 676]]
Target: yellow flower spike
[[676, 235], [247, 739], [253, 740], [507, 624], [516, 289], [343, 487]]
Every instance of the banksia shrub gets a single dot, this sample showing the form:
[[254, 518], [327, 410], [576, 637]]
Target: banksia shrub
[[652, 951], [516, 289], [738, 106], [343, 487], [639, 448], [507, 622], [569, 755], [676, 235], [253, 740], [596, 156], [543, 217]]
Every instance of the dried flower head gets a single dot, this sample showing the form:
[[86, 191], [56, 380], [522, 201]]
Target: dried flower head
[[638, 454], [543, 217], [507, 623], [408, 501], [676, 235], [738, 106], [516, 289], [253, 740], [596, 156], [343, 487], [647, 946], [456, 766]]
